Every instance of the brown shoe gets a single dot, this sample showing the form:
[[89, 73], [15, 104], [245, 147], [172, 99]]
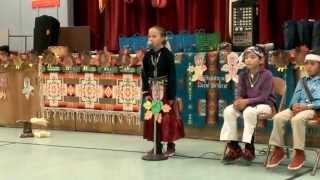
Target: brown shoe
[[171, 150], [249, 154], [298, 160], [276, 157], [234, 153]]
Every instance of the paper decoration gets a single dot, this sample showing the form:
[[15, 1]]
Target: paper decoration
[[147, 105], [41, 133], [280, 59], [3, 86], [148, 115], [166, 108], [300, 54], [39, 121], [102, 5], [154, 108], [199, 68], [232, 67], [17, 62], [27, 87]]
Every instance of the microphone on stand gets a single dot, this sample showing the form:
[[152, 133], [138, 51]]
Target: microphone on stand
[[267, 46]]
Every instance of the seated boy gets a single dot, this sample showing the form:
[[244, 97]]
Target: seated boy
[[303, 106]]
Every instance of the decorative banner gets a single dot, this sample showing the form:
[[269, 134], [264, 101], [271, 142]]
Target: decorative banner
[[107, 91], [45, 3], [198, 98]]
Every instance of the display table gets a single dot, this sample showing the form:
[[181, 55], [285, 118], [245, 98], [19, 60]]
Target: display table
[[104, 101]]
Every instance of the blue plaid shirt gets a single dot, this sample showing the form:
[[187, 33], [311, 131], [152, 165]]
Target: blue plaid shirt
[[300, 96]]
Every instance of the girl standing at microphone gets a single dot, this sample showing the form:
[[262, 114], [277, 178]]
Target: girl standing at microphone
[[159, 63]]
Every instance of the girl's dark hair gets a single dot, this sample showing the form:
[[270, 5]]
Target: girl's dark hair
[[162, 33]]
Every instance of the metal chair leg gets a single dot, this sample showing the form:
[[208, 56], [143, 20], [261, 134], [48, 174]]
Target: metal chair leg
[[316, 164], [287, 145], [224, 151], [267, 156], [288, 152]]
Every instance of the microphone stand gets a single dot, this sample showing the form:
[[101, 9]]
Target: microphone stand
[[155, 82]]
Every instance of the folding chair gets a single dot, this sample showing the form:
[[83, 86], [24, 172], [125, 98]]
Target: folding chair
[[280, 89], [316, 124]]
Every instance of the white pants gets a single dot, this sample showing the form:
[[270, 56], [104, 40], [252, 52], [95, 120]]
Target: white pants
[[229, 131]]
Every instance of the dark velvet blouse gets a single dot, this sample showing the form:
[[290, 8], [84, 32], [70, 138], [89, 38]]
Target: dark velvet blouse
[[165, 68]]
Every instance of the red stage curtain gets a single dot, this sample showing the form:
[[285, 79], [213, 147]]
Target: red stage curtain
[[86, 13], [178, 15], [126, 19], [273, 14], [121, 18]]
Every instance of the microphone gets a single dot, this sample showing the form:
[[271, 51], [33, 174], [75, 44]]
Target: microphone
[[267, 46]]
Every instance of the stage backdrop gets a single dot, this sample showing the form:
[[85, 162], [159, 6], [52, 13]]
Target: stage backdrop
[[102, 99]]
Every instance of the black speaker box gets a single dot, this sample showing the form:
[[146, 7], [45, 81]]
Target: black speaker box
[[46, 33]]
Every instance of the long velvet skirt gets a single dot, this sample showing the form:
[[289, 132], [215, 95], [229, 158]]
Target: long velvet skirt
[[170, 129]]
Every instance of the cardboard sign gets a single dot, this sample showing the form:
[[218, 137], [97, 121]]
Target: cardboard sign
[[45, 3]]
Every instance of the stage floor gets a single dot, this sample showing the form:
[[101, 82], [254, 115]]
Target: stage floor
[[93, 156]]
